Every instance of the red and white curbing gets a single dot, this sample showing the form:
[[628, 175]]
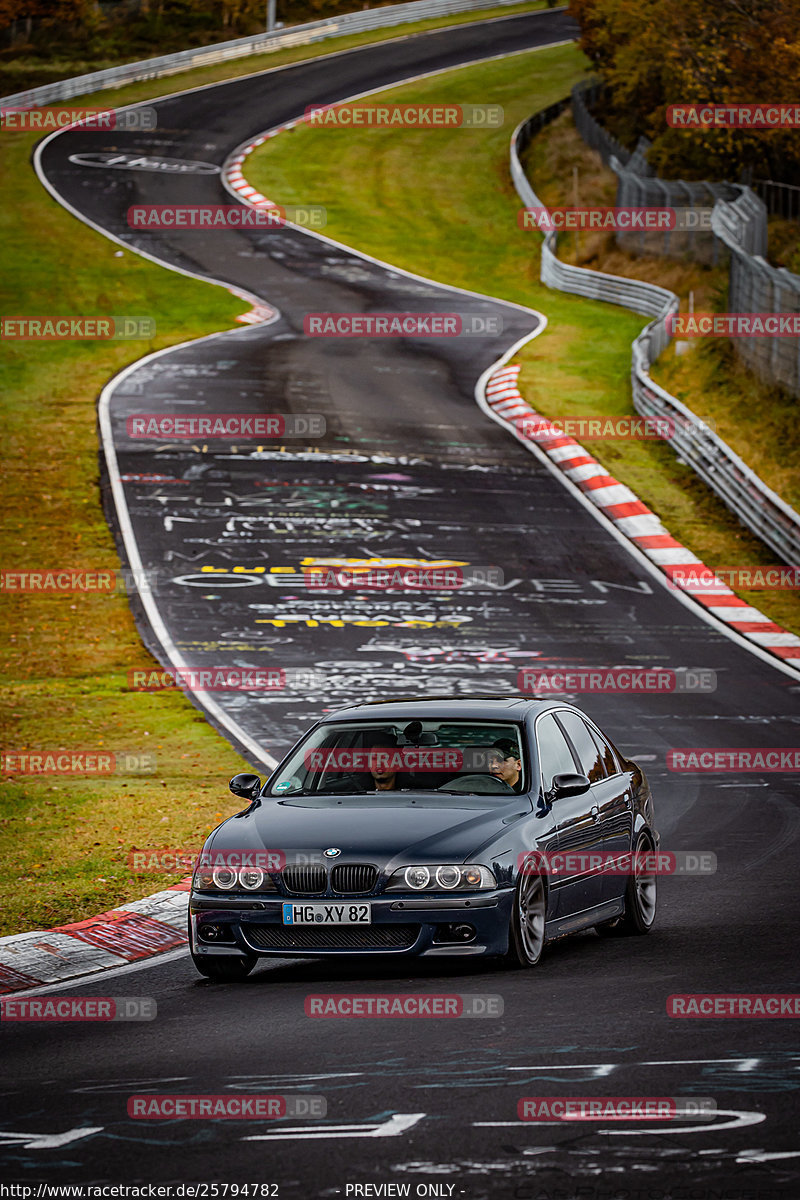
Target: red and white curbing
[[115, 938], [634, 519], [233, 176]]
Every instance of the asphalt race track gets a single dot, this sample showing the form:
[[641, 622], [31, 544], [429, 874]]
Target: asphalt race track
[[411, 468]]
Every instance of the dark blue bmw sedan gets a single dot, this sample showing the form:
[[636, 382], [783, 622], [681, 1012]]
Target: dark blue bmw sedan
[[480, 827]]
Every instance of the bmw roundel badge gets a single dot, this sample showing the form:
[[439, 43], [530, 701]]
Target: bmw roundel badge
[[331, 852]]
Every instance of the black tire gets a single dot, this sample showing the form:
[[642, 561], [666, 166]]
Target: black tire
[[227, 969], [639, 915], [526, 928]]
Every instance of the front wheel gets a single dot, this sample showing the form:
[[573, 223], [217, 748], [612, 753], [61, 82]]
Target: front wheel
[[526, 932], [227, 969]]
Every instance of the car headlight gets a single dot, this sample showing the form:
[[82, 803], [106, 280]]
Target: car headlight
[[251, 878], [447, 877], [225, 878], [417, 878], [230, 879]]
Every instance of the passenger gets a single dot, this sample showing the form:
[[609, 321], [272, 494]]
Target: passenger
[[506, 764]]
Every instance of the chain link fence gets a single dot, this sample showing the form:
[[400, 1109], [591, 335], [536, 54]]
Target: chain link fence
[[718, 224], [747, 496], [757, 287], [781, 199]]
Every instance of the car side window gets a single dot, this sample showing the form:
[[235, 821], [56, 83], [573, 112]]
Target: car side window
[[585, 746], [606, 753], [555, 756]]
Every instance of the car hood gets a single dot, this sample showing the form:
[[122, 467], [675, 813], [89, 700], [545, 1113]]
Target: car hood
[[390, 831]]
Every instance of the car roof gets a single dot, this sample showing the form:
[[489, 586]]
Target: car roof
[[405, 708]]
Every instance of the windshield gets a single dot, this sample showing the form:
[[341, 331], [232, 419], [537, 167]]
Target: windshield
[[482, 757]]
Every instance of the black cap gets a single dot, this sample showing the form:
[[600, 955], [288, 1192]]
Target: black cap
[[509, 748]]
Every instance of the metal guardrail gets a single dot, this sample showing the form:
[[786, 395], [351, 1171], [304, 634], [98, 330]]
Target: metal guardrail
[[642, 297], [297, 35], [747, 496]]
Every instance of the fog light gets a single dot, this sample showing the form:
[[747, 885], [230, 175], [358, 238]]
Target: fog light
[[209, 933], [451, 934]]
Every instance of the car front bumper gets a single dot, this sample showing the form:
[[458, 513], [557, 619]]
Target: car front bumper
[[401, 925]]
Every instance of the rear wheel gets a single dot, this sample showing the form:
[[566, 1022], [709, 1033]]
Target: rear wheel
[[226, 969], [526, 932], [640, 899]]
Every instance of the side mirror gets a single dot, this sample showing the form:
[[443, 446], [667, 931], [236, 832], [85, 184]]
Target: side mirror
[[570, 785], [248, 787]]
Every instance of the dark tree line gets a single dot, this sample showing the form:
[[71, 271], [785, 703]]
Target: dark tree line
[[655, 53]]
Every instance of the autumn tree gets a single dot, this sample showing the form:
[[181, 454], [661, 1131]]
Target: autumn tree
[[654, 53]]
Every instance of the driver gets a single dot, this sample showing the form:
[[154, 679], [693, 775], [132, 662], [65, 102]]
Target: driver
[[384, 777], [505, 763]]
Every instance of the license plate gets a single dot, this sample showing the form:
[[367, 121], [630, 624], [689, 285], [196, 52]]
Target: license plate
[[327, 914]]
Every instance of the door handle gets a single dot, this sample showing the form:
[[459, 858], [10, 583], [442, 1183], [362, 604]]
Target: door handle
[[595, 811]]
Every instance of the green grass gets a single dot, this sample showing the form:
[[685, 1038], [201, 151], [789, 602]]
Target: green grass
[[441, 204]]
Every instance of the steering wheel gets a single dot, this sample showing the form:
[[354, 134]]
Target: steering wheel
[[490, 784]]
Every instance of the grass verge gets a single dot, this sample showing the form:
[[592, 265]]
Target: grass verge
[[440, 203]]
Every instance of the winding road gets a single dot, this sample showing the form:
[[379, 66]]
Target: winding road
[[410, 467]]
